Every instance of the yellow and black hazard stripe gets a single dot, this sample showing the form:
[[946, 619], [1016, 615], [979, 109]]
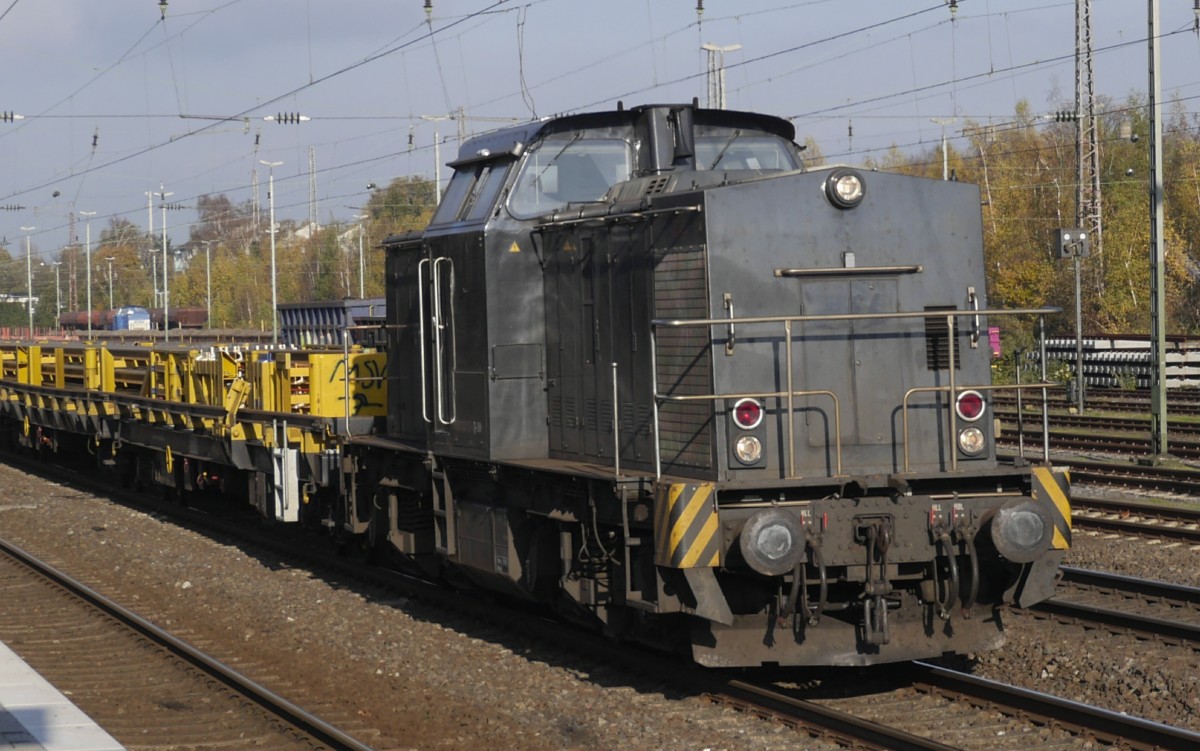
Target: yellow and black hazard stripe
[[686, 532], [1052, 489]]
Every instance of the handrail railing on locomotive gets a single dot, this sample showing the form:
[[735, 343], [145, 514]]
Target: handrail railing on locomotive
[[952, 391], [437, 325], [993, 387], [790, 394]]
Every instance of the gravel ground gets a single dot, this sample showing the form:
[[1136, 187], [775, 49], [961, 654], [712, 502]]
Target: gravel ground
[[1118, 672], [427, 680], [424, 678]]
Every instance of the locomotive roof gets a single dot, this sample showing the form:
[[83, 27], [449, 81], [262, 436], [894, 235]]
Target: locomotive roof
[[514, 139]]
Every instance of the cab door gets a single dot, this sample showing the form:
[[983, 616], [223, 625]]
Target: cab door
[[438, 349], [452, 280]]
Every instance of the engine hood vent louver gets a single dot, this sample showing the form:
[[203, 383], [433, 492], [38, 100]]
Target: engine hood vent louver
[[657, 185]]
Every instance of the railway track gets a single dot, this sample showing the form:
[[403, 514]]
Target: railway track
[[856, 722], [1120, 445], [1113, 401], [1109, 423], [1133, 476], [1168, 612], [1141, 519], [1083, 721], [933, 708], [146, 687]]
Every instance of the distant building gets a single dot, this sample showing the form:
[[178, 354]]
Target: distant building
[[21, 299]]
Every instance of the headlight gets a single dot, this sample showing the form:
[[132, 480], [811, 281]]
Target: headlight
[[1021, 530], [844, 188], [772, 542], [748, 449], [971, 441]]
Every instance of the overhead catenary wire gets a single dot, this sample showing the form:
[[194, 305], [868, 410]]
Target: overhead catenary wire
[[653, 41], [274, 100], [8, 10], [762, 11]]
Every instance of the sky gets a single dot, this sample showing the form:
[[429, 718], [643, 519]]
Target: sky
[[119, 100]]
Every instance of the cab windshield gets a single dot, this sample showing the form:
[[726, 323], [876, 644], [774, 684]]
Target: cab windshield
[[724, 148], [565, 168]]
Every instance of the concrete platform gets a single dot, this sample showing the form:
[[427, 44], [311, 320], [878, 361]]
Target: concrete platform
[[35, 716]]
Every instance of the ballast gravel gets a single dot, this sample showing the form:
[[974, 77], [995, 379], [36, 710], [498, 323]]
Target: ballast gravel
[[409, 676]]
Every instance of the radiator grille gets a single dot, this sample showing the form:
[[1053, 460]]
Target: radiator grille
[[937, 346], [684, 356]]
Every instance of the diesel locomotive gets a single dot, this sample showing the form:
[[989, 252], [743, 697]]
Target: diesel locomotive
[[644, 367]]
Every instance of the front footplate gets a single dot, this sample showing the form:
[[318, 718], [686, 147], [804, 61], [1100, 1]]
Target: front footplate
[[754, 640]]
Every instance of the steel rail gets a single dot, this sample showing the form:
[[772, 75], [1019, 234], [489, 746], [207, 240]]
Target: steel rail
[[1144, 589], [1073, 442], [1167, 513], [264, 697], [1110, 727], [815, 716], [1148, 587], [1159, 527], [1119, 473]]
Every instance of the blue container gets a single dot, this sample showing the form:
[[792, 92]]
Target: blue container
[[132, 318]]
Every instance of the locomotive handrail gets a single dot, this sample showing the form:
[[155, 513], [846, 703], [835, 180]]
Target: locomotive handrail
[[436, 325], [678, 322], [790, 394], [946, 389], [421, 336], [837, 411], [605, 213], [915, 268], [439, 325]]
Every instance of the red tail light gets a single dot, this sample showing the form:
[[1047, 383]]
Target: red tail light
[[747, 413], [970, 405]]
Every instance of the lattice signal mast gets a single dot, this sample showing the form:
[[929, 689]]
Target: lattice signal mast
[[1087, 197]]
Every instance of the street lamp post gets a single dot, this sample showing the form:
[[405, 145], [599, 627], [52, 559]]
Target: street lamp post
[[362, 287], [208, 276], [944, 121], [166, 296], [437, 152], [274, 290], [29, 277], [57, 290], [88, 245], [110, 286], [716, 73]]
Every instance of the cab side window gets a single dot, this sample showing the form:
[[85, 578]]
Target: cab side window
[[472, 192]]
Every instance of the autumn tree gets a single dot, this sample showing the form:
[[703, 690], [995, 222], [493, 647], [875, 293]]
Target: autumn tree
[[221, 222], [126, 244]]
